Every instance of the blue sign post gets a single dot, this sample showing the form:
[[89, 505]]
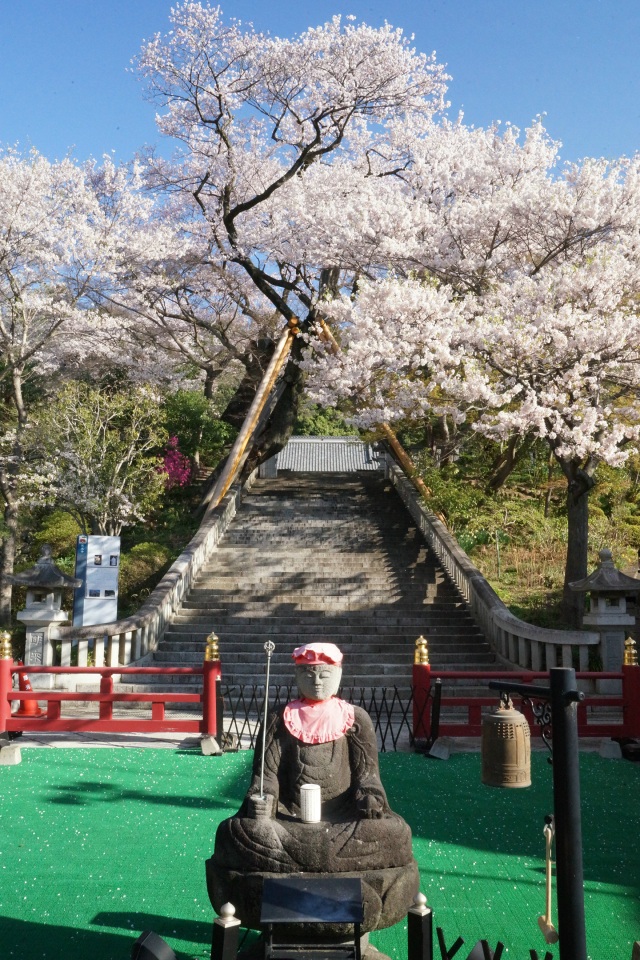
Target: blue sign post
[[98, 566]]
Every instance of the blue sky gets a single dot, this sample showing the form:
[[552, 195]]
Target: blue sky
[[64, 85]]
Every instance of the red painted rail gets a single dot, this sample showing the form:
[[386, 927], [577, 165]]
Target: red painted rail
[[104, 722], [627, 704]]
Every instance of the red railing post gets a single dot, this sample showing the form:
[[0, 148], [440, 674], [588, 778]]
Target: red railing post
[[6, 663], [631, 700], [105, 709], [210, 674], [421, 691]]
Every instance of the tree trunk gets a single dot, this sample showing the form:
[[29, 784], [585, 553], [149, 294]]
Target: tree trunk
[[255, 365], [7, 561], [547, 496], [506, 462], [579, 483], [279, 427], [8, 482]]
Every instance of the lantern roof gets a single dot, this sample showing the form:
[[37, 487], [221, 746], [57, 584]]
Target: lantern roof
[[606, 578], [44, 574]]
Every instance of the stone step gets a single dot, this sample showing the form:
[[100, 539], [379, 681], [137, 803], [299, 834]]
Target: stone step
[[440, 659], [320, 559], [246, 614], [212, 599], [435, 638], [322, 580], [428, 627], [329, 558], [243, 663], [224, 553]]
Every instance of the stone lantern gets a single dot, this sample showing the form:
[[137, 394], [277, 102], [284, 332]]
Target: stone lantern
[[43, 610], [608, 589]]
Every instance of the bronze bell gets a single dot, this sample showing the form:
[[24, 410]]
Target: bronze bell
[[506, 748]]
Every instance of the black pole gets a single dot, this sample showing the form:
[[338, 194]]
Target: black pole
[[568, 821], [435, 714], [564, 696], [420, 930]]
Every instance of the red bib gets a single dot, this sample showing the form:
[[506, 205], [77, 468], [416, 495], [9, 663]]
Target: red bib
[[318, 721]]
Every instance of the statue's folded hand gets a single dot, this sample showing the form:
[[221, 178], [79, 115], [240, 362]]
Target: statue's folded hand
[[370, 806], [261, 808]]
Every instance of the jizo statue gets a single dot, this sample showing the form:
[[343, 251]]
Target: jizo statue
[[317, 739]]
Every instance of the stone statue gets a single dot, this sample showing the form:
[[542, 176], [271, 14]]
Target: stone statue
[[324, 740]]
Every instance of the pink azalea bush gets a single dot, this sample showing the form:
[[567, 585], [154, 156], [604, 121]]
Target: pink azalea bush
[[176, 465]]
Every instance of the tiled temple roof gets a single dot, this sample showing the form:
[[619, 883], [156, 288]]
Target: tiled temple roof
[[328, 455]]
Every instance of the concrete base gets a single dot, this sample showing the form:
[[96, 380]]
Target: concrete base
[[10, 754], [210, 747], [610, 750], [42, 681], [441, 749]]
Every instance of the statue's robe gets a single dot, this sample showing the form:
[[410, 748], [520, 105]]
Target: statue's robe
[[345, 842]]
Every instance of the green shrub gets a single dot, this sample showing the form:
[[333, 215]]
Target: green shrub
[[316, 421], [140, 569], [192, 419], [59, 529]]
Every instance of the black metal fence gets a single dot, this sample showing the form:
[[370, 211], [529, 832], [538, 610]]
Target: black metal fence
[[391, 712]]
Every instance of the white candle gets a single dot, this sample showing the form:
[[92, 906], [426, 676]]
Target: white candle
[[310, 802]]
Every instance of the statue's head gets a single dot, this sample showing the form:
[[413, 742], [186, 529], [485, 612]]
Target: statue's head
[[318, 669]]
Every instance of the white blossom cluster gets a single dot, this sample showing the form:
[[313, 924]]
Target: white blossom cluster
[[463, 271]]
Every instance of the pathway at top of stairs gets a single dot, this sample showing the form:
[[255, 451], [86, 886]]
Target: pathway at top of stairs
[[324, 557]]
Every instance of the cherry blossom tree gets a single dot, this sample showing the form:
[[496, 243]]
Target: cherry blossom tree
[[271, 130], [512, 302], [44, 263], [60, 238]]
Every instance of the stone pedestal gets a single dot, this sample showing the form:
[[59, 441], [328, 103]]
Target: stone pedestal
[[613, 627], [608, 589], [41, 621]]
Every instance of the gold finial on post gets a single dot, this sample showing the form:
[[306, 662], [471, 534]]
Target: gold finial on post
[[5, 645], [212, 650], [421, 654], [630, 653]]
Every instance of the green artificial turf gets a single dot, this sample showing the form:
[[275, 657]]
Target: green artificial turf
[[98, 845]]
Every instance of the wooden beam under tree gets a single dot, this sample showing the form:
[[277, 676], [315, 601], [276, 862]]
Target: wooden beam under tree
[[237, 456]]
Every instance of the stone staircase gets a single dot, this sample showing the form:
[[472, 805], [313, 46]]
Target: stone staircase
[[324, 557]]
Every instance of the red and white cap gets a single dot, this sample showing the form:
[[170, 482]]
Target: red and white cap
[[312, 653]]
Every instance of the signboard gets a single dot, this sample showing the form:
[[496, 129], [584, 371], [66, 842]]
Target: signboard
[[98, 566]]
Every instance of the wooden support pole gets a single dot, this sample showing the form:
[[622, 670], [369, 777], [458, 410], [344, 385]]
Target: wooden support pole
[[234, 460], [405, 461]]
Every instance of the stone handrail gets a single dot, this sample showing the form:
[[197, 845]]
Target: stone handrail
[[515, 642], [134, 639]]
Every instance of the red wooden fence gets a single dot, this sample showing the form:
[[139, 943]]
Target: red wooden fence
[[104, 722], [626, 705]]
